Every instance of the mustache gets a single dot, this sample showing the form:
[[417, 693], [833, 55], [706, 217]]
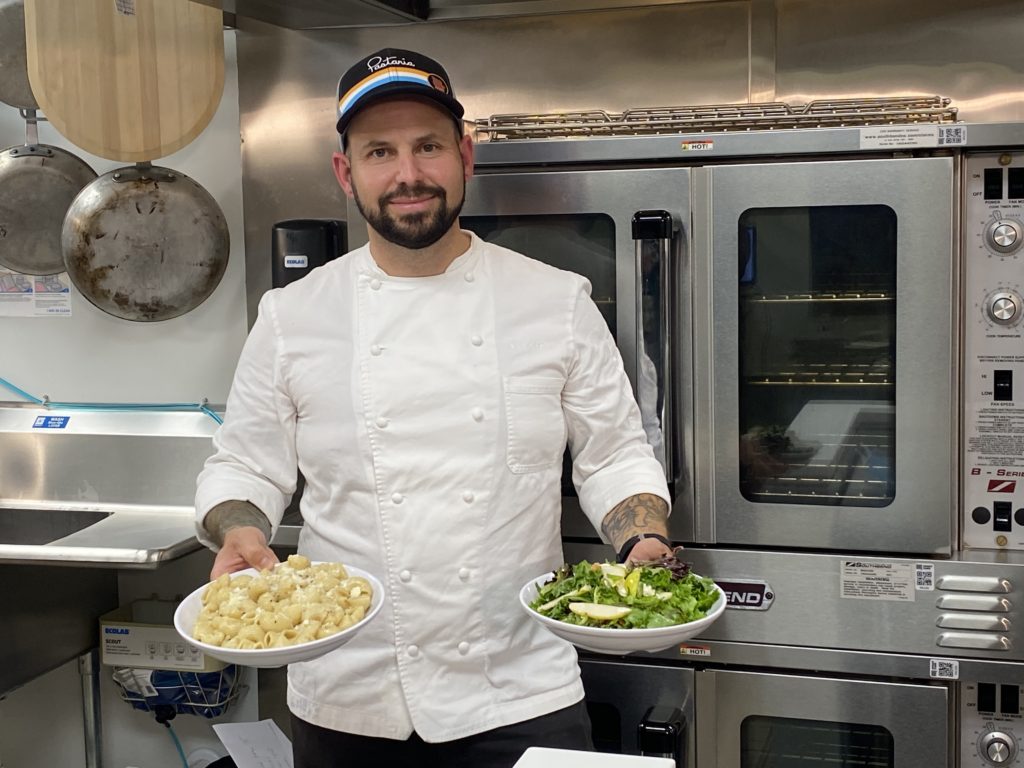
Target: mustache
[[417, 190]]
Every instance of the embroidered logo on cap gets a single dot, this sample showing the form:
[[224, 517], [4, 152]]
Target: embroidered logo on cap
[[438, 82]]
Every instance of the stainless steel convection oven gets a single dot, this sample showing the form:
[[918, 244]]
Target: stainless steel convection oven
[[820, 312]]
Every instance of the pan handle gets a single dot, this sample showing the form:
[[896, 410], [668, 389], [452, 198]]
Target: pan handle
[[31, 126]]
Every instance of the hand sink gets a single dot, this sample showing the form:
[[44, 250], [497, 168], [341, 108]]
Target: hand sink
[[42, 526]]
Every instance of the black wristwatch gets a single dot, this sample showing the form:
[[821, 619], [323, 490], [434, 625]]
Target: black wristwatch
[[632, 541]]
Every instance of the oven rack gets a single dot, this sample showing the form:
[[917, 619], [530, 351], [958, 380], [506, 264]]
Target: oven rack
[[829, 374], [717, 118], [804, 298]]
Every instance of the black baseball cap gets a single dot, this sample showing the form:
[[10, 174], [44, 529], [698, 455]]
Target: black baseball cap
[[394, 72]]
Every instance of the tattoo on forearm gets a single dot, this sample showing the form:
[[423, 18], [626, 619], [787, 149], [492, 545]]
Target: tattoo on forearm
[[234, 514], [644, 512]]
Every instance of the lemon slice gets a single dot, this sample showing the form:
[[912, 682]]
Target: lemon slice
[[599, 611]]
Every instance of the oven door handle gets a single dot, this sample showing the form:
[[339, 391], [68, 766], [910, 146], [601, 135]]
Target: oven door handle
[[652, 235]]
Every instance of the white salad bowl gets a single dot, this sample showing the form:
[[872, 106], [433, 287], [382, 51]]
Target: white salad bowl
[[188, 612], [618, 641]]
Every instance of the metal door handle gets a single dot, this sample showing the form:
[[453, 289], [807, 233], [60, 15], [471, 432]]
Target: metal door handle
[[652, 234]]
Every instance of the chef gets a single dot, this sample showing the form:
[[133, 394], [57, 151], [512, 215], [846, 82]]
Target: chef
[[426, 386]]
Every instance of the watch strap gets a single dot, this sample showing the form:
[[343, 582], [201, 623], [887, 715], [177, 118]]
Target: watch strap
[[632, 541]]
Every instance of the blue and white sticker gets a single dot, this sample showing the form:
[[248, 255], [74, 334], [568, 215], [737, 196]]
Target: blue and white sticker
[[51, 422], [294, 261]]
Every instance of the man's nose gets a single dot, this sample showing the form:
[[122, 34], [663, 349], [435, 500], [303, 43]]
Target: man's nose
[[408, 171]]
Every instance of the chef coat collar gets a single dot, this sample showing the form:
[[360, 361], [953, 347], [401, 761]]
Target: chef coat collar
[[462, 263]]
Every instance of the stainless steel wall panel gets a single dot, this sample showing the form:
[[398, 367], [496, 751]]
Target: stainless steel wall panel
[[968, 50]]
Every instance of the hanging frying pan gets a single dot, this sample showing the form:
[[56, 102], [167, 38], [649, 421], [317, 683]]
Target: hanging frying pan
[[37, 185], [134, 80], [145, 243], [37, 182]]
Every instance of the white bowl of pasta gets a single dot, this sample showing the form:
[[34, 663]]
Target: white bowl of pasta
[[297, 612]]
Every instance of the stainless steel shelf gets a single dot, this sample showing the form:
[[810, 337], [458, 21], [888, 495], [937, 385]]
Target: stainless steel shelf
[[716, 118]]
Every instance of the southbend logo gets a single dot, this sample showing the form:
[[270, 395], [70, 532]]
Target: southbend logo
[[379, 62], [859, 564], [746, 594]]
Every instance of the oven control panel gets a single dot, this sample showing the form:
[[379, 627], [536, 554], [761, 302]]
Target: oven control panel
[[993, 384], [991, 725]]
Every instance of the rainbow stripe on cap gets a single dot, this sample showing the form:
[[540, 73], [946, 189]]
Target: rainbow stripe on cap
[[385, 76]]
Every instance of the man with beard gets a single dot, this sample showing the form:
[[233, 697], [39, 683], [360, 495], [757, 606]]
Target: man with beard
[[426, 385]]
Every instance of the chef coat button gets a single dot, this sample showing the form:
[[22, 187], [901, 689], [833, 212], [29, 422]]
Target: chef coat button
[[463, 647], [397, 498], [413, 651], [375, 284], [470, 277], [476, 341], [477, 414], [381, 422], [464, 574], [405, 576], [467, 496], [376, 349]]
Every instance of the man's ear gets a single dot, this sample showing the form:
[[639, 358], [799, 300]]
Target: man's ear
[[343, 171], [466, 149]]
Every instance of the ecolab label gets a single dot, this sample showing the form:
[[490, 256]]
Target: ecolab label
[[51, 422], [296, 262]]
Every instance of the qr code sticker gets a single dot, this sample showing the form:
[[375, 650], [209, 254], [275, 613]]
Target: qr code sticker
[[952, 134], [944, 669], [924, 576]]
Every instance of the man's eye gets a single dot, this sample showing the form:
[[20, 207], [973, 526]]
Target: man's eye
[[430, 148], [379, 153]]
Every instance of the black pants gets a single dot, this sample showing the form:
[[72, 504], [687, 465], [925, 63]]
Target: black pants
[[316, 747]]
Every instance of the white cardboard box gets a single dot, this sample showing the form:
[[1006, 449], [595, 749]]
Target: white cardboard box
[[142, 635], [545, 757]]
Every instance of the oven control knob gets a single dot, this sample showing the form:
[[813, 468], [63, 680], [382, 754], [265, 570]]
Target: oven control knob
[[1004, 235], [998, 748], [1004, 307]]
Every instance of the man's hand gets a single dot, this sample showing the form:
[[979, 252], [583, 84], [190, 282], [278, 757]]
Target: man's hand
[[244, 547], [647, 550], [643, 513]]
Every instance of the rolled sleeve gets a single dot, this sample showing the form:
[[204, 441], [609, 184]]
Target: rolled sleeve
[[254, 456], [611, 457]]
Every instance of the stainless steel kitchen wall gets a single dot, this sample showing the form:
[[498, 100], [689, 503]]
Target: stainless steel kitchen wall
[[703, 53]]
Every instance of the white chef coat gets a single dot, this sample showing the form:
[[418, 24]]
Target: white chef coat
[[429, 417]]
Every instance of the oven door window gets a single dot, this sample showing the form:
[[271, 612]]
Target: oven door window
[[580, 243], [817, 355], [780, 742]]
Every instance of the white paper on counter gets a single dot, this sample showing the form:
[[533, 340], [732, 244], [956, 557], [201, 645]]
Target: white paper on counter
[[256, 745]]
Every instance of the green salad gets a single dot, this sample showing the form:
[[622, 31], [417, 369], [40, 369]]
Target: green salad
[[641, 596]]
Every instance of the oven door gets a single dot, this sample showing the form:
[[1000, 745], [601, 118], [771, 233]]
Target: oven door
[[640, 708], [826, 355], [758, 720], [626, 232]]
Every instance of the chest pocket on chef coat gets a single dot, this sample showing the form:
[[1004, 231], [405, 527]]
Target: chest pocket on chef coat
[[536, 424]]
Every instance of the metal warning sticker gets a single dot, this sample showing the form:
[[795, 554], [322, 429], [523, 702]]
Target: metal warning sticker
[[694, 650], [877, 580]]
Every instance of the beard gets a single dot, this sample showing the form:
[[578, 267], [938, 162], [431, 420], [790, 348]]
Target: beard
[[414, 230]]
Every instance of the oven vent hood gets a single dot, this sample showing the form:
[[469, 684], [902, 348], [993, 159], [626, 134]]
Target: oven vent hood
[[318, 14]]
